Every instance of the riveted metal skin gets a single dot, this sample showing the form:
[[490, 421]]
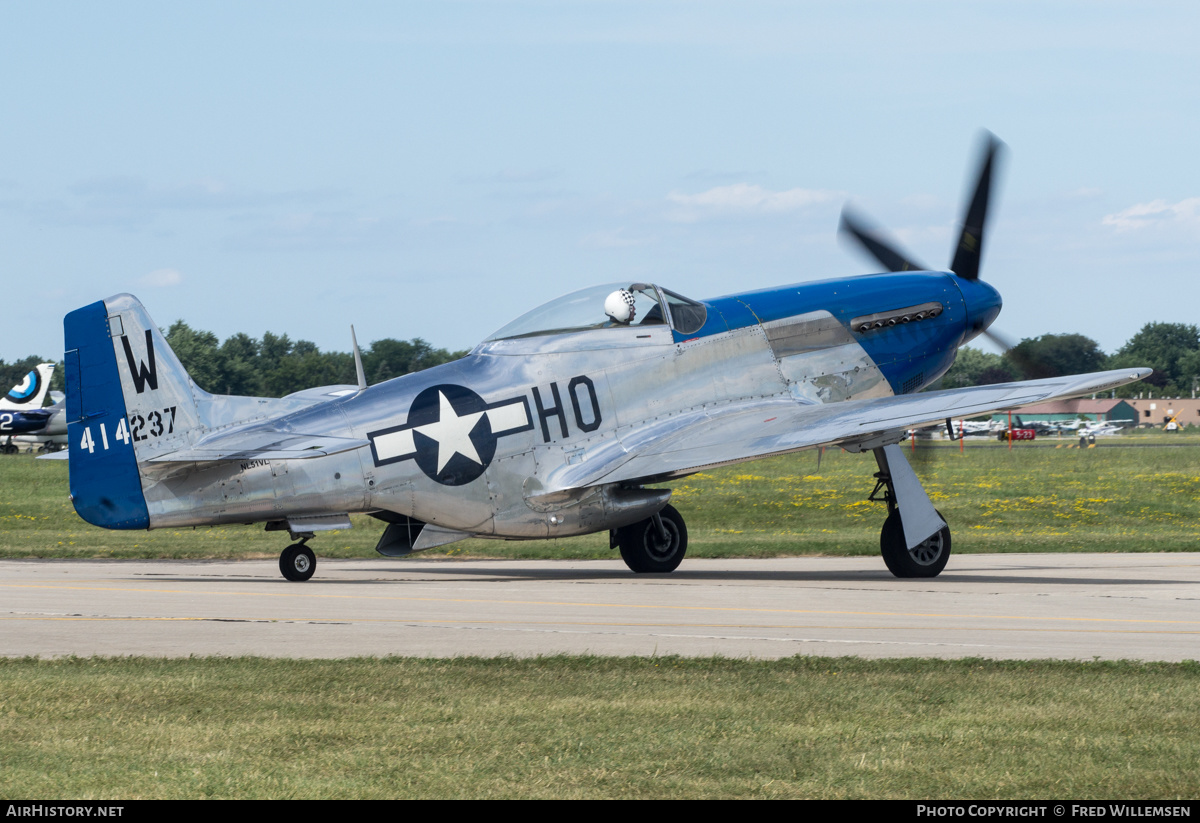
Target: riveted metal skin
[[562, 421], [537, 436]]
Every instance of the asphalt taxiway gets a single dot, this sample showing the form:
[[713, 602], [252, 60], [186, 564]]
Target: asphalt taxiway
[[1068, 606]]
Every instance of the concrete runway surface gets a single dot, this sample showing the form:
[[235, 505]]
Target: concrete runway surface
[[1071, 606]]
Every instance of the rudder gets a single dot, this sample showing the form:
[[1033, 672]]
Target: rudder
[[128, 398]]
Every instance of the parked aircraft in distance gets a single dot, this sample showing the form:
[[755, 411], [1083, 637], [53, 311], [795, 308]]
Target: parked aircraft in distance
[[21, 409], [562, 422], [1100, 428], [53, 436], [983, 428]]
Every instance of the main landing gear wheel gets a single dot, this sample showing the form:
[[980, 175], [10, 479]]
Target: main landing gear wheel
[[926, 559], [297, 562], [645, 547]]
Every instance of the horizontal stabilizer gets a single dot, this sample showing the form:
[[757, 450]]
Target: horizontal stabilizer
[[323, 393], [260, 445]]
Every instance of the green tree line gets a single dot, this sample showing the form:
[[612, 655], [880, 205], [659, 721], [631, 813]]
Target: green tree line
[[272, 366], [276, 365], [1171, 349]]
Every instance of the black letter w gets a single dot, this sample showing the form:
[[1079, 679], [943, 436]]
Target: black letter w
[[140, 374]]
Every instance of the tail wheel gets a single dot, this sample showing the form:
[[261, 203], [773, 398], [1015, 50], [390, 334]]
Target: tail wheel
[[297, 563], [647, 548], [926, 559]]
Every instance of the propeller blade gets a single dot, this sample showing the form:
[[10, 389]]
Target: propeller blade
[[1002, 341], [921, 454], [876, 244], [970, 241], [1034, 369]]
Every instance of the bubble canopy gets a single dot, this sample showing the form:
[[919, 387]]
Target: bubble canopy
[[584, 309]]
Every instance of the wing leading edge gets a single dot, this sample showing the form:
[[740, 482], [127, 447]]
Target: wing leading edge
[[685, 443]]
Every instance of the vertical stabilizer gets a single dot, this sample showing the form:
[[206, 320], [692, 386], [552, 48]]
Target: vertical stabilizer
[[128, 396], [30, 393]]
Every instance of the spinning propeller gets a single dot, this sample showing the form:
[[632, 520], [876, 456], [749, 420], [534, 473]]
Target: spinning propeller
[[968, 252], [969, 249]]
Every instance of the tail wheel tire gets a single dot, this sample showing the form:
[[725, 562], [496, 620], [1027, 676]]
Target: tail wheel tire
[[644, 549], [297, 563], [926, 559]]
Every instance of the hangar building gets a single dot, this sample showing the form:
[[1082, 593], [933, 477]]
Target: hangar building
[[1062, 411], [1154, 411]]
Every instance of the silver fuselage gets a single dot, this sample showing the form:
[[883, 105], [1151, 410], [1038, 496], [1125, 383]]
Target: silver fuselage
[[572, 392]]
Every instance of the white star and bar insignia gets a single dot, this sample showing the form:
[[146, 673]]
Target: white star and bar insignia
[[451, 433]]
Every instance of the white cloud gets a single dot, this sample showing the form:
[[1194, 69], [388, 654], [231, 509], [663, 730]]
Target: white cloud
[[923, 201], [940, 233], [745, 198], [160, 278], [617, 239], [1156, 213]]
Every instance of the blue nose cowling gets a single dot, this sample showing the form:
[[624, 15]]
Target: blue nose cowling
[[983, 305]]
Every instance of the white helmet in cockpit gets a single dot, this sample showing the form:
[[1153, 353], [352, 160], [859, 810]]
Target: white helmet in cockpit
[[619, 306]]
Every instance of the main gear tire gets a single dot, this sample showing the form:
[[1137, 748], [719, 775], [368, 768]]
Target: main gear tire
[[297, 563], [926, 559], [644, 549]]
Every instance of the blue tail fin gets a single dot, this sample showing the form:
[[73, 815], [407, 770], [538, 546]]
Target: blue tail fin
[[106, 487]]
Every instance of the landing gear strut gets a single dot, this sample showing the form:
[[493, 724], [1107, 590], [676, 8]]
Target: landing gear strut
[[656, 544], [917, 543]]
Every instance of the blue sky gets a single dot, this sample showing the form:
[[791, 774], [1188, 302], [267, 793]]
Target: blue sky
[[435, 169]]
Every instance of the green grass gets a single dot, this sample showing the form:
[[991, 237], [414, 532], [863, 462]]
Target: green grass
[[597, 727], [638, 728], [1032, 498]]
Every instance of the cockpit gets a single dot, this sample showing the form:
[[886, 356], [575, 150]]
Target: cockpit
[[614, 305]]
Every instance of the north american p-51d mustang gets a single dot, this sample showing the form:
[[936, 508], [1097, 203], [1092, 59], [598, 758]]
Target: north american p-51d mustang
[[563, 422]]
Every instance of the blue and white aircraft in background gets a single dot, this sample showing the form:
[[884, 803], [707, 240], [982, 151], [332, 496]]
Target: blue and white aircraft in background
[[21, 411], [53, 436], [564, 422]]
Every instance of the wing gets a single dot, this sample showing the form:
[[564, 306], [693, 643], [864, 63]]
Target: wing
[[688, 442]]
